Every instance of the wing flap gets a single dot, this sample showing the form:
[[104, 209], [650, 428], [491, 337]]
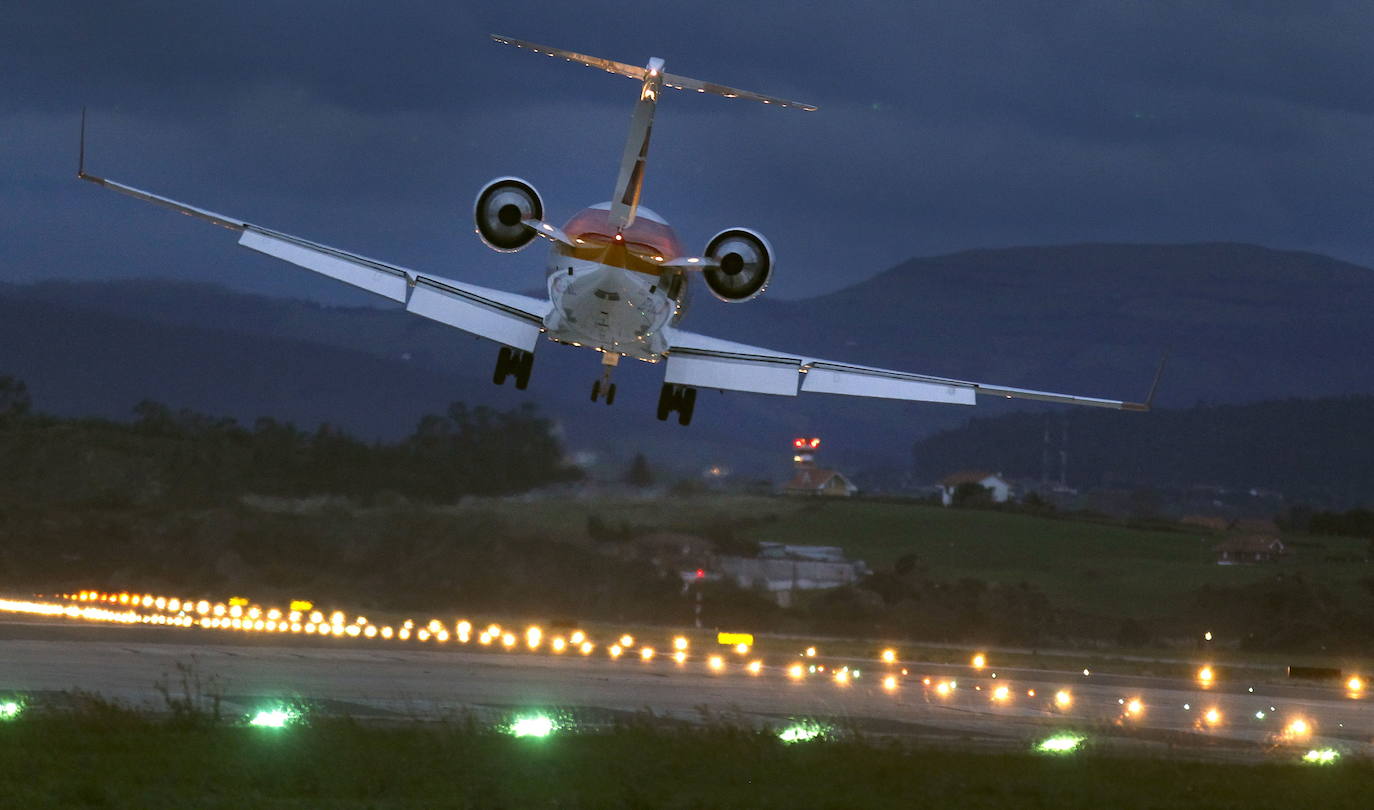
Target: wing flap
[[375, 277], [834, 378], [730, 371], [465, 307], [708, 362]]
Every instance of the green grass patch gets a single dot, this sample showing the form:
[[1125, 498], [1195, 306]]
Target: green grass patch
[[115, 758]]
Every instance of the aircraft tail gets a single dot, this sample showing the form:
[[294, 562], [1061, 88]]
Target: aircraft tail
[[669, 79], [630, 182]]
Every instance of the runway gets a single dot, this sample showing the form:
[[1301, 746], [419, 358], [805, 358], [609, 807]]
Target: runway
[[43, 659]]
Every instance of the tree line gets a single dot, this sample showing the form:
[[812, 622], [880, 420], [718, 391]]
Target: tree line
[[183, 456]]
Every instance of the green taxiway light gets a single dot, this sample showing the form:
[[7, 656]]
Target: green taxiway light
[[1060, 744], [802, 732], [274, 718], [1321, 756], [533, 726], [10, 709]]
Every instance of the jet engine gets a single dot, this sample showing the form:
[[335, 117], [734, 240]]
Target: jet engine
[[743, 264], [501, 209]]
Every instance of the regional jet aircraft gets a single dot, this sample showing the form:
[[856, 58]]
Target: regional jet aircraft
[[617, 280]]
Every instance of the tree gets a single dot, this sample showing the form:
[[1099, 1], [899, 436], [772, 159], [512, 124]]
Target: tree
[[639, 474], [14, 399]]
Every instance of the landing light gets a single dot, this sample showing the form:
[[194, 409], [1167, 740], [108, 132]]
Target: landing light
[[10, 709]]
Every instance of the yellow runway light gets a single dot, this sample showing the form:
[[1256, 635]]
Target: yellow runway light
[[508, 640], [796, 672], [627, 641], [577, 637], [1355, 685], [810, 652], [1212, 717], [979, 661], [1297, 729], [1001, 694], [680, 657], [558, 644], [1063, 698], [680, 643], [587, 647], [755, 667], [1205, 676], [716, 663], [533, 637], [889, 656], [646, 653], [615, 650], [890, 683]]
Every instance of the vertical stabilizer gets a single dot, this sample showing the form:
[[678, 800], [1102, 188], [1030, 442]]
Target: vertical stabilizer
[[631, 180]]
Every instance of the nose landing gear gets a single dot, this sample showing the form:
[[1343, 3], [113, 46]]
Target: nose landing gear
[[678, 398], [513, 362], [604, 386]]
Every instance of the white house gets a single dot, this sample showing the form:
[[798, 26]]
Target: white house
[[996, 485]]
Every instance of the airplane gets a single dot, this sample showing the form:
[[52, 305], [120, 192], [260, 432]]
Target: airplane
[[617, 280]]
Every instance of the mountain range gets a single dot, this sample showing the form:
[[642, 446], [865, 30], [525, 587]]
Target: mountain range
[[1243, 324]]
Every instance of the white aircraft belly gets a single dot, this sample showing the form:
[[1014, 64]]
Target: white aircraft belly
[[608, 308]]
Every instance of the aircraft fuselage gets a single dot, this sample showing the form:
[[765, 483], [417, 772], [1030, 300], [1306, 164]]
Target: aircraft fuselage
[[611, 291]]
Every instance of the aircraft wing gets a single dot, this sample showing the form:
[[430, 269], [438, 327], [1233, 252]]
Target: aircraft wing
[[706, 362], [507, 318]]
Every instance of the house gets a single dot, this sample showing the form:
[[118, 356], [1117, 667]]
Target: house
[[781, 570], [809, 480], [995, 484], [1249, 549]]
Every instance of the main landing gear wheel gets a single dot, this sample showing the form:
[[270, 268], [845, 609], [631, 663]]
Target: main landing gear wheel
[[516, 363], [678, 398]]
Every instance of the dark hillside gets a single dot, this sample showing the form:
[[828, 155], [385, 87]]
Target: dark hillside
[[1318, 450]]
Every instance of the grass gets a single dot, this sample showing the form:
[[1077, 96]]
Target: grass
[[115, 758], [1098, 568]]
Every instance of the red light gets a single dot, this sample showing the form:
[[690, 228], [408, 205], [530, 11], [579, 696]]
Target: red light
[[799, 443], [701, 573], [815, 443]]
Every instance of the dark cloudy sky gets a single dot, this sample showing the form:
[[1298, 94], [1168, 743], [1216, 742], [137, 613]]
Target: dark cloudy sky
[[943, 126]]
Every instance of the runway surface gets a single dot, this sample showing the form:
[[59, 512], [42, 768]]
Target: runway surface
[[42, 659]]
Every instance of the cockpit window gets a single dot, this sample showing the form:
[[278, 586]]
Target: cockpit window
[[607, 295]]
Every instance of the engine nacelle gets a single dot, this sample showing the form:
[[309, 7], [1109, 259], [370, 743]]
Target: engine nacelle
[[501, 209], [744, 263]]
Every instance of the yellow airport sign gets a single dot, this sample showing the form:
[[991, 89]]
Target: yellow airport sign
[[735, 639]]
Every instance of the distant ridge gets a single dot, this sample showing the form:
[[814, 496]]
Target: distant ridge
[[1246, 323]]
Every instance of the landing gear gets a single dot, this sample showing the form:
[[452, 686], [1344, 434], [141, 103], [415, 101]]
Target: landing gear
[[678, 398], [513, 362], [604, 386]]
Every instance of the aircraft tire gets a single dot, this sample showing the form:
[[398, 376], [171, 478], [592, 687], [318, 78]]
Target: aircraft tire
[[610, 393], [596, 390], [686, 404], [522, 371], [665, 402], [503, 365]]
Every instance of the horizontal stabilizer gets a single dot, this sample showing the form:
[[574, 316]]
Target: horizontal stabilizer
[[639, 73]]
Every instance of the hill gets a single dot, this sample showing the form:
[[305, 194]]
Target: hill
[[1317, 450], [1245, 323]]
